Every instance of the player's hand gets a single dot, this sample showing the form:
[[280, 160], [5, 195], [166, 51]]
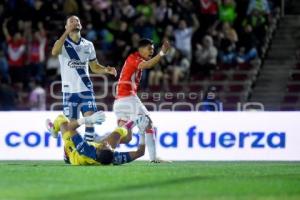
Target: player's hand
[[70, 27], [142, 122], [111, 70], [96, 118], [166, 46]]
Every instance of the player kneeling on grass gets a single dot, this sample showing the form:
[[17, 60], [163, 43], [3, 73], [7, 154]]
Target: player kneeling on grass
[[81, 152]]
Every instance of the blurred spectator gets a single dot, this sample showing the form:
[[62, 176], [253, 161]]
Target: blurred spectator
[[145, 27], [52, 67], [101, 5], [160, 74], [8, 97], [71, 7], [16, 54], [127, 10], [156, 75], [122, 36], [145, 9], [261, 6], [179, 68], [227, 12], [227, 53], [183, 36], [36, 53], [163, 13], [227, 50], [258, 22], [229, 33], [3, 66], [91, 33], [247, 45], [37, 97], [206, 56], [211, 100], [209, 13]]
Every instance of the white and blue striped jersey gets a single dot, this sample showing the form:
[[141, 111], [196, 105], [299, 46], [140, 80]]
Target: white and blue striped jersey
[[74, 64]]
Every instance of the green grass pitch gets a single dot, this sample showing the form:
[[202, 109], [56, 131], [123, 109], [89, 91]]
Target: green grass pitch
[[35, 180]]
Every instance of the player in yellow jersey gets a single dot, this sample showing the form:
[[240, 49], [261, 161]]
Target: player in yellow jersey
[[102, 152]]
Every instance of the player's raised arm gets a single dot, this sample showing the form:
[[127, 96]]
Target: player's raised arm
[[56, 50], [5, 30], [99, 69], [153, 61]]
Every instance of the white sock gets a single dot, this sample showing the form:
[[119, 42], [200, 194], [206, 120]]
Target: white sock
[[142, 139], [89, 134], [150, 143]]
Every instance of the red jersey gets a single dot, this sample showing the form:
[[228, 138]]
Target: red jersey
[[130, 76], [16, 52]]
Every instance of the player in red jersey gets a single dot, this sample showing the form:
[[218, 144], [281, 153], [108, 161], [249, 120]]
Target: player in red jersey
[[127, 105]]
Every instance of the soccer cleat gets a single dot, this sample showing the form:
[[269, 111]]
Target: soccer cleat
[[142, 122], [96, 118], [50, 128], [159, 160]]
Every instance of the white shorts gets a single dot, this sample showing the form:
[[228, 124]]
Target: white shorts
[[128, 108]]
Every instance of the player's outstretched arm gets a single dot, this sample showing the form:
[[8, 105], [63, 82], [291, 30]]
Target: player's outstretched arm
[[153, 61], [56, 49], [138, 153], [100, 69], [126, 157]]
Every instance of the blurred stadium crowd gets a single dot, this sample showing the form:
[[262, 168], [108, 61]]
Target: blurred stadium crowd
[[217, 44]]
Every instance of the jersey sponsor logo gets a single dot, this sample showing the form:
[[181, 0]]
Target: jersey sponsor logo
[[77, 64]]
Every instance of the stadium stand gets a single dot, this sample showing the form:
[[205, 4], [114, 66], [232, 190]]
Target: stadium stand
[[252, 62]]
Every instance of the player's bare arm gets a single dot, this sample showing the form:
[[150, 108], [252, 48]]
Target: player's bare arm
[[100, 69], [138, 153], [153, 61], [56, 50], [5, 30]]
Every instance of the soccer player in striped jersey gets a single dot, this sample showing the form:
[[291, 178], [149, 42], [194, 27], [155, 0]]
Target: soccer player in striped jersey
[[75, 55], [127, 105]]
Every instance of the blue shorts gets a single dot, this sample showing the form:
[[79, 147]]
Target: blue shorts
[[74, 103]]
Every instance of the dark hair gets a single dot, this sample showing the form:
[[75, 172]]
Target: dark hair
[[145, 42], [105, 157], [69, 16]]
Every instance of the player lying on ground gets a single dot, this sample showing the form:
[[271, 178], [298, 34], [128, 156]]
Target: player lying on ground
[[81, 152]]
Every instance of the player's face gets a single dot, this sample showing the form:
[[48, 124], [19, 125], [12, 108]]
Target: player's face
[[74, 21], [147, 52], [106, 146]]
